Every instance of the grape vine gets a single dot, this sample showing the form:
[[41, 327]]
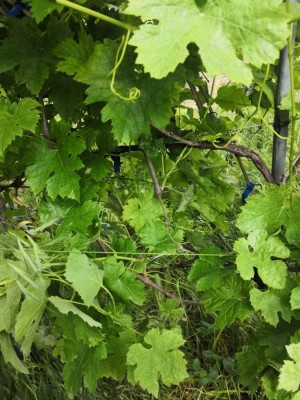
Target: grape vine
[[126, 249]]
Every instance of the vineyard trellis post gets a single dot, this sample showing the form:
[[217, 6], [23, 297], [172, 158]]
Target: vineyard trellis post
[[282, 117]]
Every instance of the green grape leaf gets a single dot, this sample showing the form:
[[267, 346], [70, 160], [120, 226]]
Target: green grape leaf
[[251, 361], [170, 309], [213, 198], [159, 239], [92, 64], [185, 199], [80, 349], [254, 32], [84, 362], [96, 72], [295, 298], [207, 272], [67, 96], [289, 378], [130, 119], [270, 303], [257, 251], [123, 245], [78, 222], [65, 307], [15, 118], [41, 8], [91, 336], [159, 360], [230, 300], [93, 67], [30, 314], [232, 98], [9, 354], [56, 169], [9, 303], [29, 50], [74, 217], [123, 282], [114, 366], [73, 327], [274, 211], [141, 210], [85, 276], [75, 55]]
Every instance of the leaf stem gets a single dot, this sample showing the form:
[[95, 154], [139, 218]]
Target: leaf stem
[[96, 14]]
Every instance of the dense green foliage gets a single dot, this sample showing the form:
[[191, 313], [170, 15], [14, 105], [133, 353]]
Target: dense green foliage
[[126, 253]]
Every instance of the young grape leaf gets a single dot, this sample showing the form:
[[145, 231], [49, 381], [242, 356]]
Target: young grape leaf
[[86, 278], [232, 98], [41, 8], [270, 303], [81, 361], [161, 359], [251, 361], [257, 251], [289, 378], [123, 282], [270, 209], [129, 119], [74, 217], [9, 302], [15, 118], [75, 55], [142, 210], [67, 96], [171, 310], [254, 32], [9, 354], [30, 50], [230, 300], [208, 272], [81, 348], [156, 236], [213, 198], [114, 366], [65, 306], [56, 169], [186, 199], [30, 314]]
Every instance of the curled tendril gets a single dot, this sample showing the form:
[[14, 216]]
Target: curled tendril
[[134, 92]]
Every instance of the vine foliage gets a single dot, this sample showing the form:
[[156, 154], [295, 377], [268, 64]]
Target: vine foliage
[[121, 183]]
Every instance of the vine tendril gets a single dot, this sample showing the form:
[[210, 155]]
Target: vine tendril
[[134, 92]]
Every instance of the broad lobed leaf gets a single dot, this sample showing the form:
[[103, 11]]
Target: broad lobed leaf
[[163, 359], [233, 29]]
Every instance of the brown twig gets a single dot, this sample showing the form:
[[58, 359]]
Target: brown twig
[[224, 241], [147, 281], [157, 188], [44, 119], [242, 169], [195, 94], [231, 148]]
